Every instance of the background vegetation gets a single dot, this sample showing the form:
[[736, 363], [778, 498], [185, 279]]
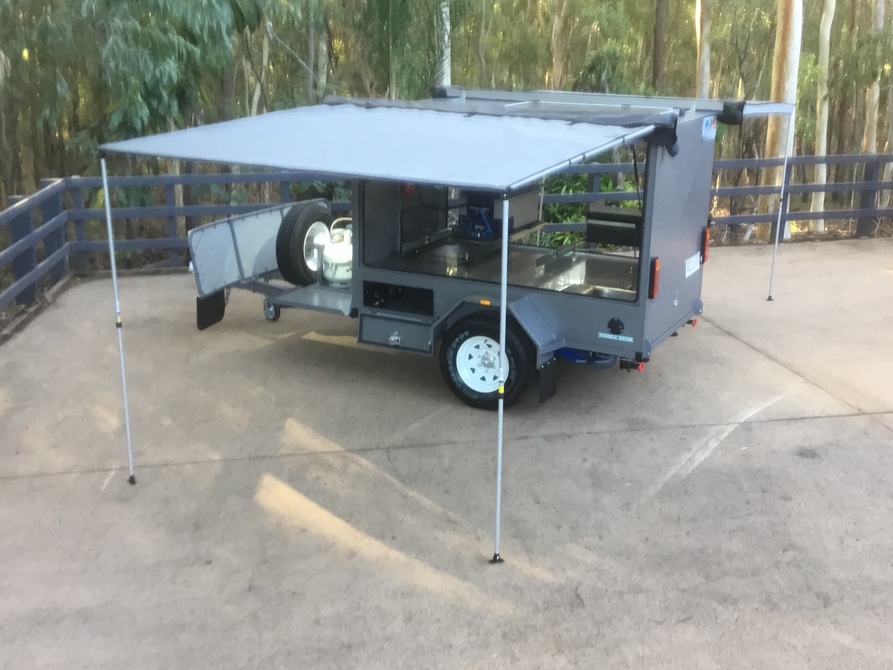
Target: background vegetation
[[75, 73]]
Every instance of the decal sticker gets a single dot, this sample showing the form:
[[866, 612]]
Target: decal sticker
[[619, 338], [692, 264], [708, 130]]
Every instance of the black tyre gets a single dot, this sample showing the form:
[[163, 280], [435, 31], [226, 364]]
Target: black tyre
[[469, 361], [295, 253]]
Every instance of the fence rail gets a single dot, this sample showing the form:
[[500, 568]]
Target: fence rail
[[45, 234]]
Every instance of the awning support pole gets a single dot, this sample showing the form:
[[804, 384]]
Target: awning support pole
[[788, 146], [503, 368], [118, 323]]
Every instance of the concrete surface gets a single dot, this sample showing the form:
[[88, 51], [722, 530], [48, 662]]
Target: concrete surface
[[304, 503]]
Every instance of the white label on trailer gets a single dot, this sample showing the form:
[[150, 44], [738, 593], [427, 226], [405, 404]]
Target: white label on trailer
[[692, 264], [619, 338], [708, 130]]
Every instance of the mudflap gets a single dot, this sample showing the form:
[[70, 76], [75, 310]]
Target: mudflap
[[548, 380], [210, 310]]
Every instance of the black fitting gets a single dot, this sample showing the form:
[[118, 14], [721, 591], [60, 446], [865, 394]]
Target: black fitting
[[496, 559], [131, 480], [732, 113], [666, 138]]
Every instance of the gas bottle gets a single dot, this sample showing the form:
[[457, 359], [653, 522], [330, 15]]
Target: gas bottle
[[337, 258]]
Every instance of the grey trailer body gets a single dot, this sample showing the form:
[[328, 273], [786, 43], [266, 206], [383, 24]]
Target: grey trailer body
[[427, 257]]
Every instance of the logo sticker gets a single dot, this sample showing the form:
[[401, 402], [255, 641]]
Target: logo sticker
[[619, 338], [708, 130]]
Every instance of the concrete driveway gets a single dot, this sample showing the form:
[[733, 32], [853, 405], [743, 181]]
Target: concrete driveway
[[305, 503]]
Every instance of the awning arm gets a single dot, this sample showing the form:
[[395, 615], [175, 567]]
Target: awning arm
[[788, 146], [503, 368], [118, 322]]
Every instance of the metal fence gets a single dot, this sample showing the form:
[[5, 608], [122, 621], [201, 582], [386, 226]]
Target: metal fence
[[60, 228]]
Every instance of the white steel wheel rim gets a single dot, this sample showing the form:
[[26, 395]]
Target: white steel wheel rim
[[317, 233], [477, 363]]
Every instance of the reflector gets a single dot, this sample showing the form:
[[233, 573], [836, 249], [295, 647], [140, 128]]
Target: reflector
[[655, 278]]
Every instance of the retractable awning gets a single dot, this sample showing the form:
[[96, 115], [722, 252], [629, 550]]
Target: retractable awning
[[418, 145]]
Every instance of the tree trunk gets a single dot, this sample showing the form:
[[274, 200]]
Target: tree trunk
[[873, 94], [7, 149], [888, 168], [444, 61], [322, 60], [311, 53], [821, 123], [558, 42], [785, 66], [660, 39], [261, 80], [702, 27], [227, 109], [482, 43]]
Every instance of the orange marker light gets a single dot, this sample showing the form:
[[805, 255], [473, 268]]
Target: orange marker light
[[486, 303], [655, 278]]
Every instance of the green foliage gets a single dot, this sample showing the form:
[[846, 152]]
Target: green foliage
[[605, 72], [335, 191], [74, 74], [237, 195], [247, 15], [152, 54], [563, 185], [559, 239]]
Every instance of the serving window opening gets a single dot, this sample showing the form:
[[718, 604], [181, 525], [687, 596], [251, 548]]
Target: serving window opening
[[585, 248]]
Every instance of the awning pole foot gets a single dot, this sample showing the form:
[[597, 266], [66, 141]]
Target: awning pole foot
[[131, 480], [496, 559]]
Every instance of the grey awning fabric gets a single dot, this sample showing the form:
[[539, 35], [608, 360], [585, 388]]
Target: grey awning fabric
[[416, 145]]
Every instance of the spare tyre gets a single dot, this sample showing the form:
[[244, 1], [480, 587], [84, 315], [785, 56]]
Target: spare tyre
[[302, 227]]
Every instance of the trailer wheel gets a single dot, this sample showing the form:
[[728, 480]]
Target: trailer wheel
[[271, 311], [301, 227], [469, 361]]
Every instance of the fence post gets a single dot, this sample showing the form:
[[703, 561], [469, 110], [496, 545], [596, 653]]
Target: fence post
[[170, 202], [49, 209], [868, 200], [80, 224], [784, 204], [595, 186], [26, 261]]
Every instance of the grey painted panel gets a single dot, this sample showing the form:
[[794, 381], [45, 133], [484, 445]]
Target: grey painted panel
[[225, 253], [578, 320], [396, 333], [380, 212], [680, 202], [318, 298], [255, 237], [214, 260], [541, 333]]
